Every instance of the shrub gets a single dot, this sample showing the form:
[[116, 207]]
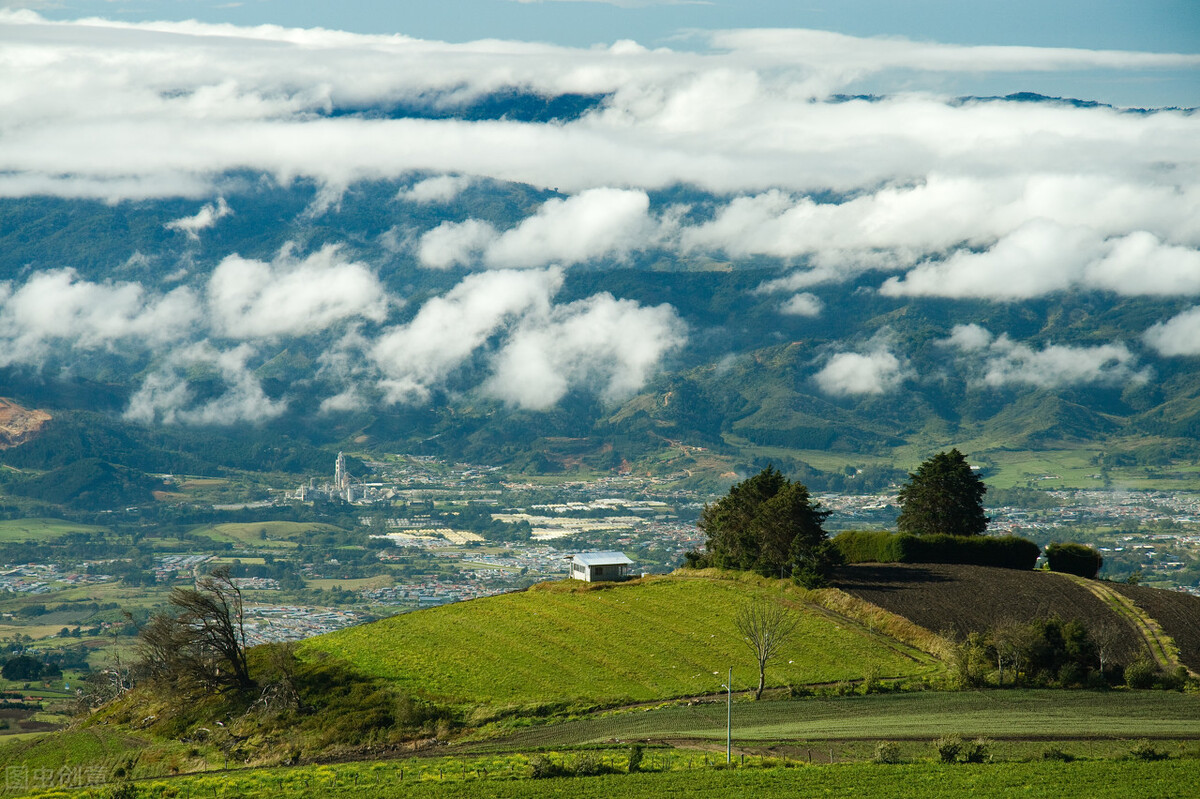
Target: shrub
[[1144, 750], [1141, 674], [976, 751], [1054, 753], [887, 752], [1076, 559], [542, 767], [635, 758], [948, 747]]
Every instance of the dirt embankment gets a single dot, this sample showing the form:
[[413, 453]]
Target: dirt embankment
[[19, 424]]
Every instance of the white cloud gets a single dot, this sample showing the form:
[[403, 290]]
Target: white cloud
[[205, 218], [440, 189], [447, 330], [970, 338], [852, 373], [455, 244], [610, 346], [292, 297], [506, 323], [165, 396], [56, 309], [1000, 361], [592, 224], [802, 304], [1179, 335]]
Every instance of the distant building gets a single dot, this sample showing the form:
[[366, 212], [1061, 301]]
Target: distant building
[[592, 567]]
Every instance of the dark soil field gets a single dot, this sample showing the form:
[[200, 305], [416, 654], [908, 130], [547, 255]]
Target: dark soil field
[[1177, 613], [957, 599]]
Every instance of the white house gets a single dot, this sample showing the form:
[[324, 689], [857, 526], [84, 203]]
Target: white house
[[593, 567]]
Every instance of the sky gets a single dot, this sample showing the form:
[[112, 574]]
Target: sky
[[923, 192]]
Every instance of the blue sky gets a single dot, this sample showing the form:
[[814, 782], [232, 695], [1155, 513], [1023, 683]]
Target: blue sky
[[1151, 25]]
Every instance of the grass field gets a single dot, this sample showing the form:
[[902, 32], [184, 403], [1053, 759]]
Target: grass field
[[507, 779], [1028, 715], [639, 641], [265, 535], [13, 530]]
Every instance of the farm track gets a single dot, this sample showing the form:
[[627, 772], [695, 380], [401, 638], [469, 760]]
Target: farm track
[[1160, 646]]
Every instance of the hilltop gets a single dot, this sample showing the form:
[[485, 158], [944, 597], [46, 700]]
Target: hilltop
[[605, 644]]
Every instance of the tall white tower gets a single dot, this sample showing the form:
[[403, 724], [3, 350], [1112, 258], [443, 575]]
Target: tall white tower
[[341, 481]]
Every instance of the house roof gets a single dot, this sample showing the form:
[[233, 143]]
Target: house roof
[[601, 559]]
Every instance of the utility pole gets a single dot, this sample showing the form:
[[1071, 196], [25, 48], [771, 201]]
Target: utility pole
[[729, 718]]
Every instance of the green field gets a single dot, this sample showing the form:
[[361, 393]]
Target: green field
[[1033, 715], [264, 535], [645, 640], [447, 778], [13, 530]]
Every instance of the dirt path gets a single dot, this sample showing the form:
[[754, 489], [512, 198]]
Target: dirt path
[[1160, 646]]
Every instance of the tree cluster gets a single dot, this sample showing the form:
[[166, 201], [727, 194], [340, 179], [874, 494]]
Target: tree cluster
[[767, 524], [1045, 652]]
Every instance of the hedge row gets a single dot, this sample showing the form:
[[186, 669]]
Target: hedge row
[[1006, 552], [1074, 559]]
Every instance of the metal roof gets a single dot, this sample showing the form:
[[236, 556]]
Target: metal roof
[[601, 559]]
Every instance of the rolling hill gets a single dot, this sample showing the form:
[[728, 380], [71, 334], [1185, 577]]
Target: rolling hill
[[605, 644], [673, 636]]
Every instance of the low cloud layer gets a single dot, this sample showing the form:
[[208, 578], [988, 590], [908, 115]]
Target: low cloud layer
[[999, 361], [878, 370]]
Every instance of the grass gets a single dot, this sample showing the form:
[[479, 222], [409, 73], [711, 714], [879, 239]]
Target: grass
[[645, 640], [1026, 715], [17, 530], [509, 778], [273, 535]]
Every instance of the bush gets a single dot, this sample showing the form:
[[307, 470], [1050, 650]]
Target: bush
[[1141, 674], [635, 758], [1076, 559], [1007, 552], [948, 748], [542, 767], [887, 752], [1054, 753], [1144, 750], [976, 751]]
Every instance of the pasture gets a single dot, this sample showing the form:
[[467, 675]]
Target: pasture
[[634, 642]]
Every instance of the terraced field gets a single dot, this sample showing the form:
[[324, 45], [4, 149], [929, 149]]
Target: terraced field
[[639, 641]]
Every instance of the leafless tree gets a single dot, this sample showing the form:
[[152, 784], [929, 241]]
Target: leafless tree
[[765, 627], [203, 645]]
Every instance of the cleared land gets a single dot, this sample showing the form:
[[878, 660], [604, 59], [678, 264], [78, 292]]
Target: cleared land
[[639, 641], [12, 530], [1177, 613], [957, 599], [281, 535]]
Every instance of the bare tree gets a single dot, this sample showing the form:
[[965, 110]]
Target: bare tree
[[204, 644], [765, 627]]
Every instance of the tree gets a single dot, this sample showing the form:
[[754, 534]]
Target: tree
[[202, 646], [765, 627], [944, 496], [770, 525]]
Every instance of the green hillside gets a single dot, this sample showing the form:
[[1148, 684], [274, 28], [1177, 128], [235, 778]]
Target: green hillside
[[649, 639]]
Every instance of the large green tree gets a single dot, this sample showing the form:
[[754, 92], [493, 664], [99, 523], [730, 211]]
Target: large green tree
[[944, 496], [770, 525]]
